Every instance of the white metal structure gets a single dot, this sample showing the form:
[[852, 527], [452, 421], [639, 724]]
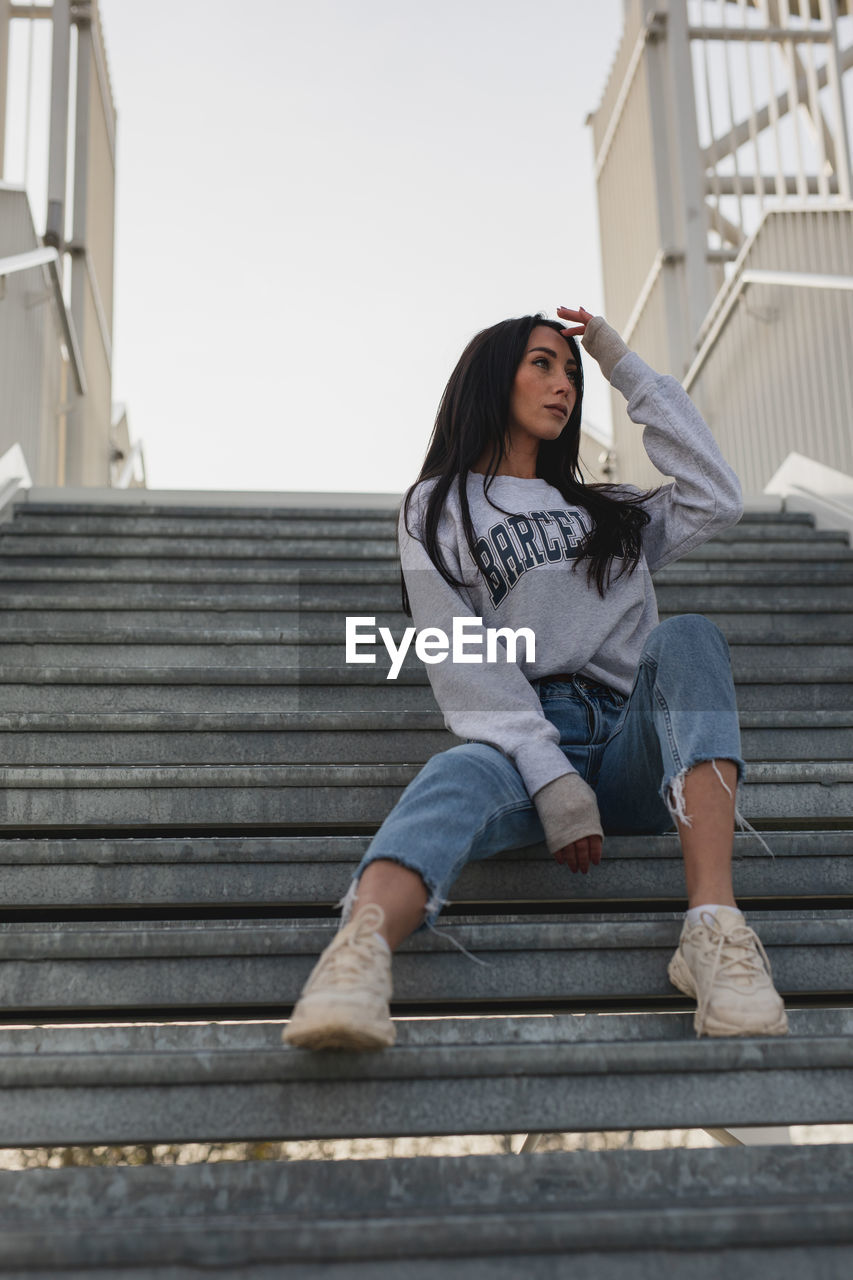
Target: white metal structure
[[724, 184], [56, 276]]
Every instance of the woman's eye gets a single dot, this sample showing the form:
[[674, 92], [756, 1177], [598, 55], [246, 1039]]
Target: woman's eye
[[541, 360]]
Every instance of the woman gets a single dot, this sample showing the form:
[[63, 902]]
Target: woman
[[609, 721]]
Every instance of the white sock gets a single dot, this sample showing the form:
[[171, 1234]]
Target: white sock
[[383, 941], [694, 913]]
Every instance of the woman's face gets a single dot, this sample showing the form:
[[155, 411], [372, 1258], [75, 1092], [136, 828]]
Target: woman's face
[[544, 391]]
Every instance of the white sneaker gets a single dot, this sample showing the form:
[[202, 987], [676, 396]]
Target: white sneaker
[[721, 963], [344, 1003]]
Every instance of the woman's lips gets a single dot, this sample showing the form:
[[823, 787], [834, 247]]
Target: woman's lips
[[558, 408]]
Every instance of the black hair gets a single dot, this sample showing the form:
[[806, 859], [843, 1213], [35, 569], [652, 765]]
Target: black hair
[[472, 420]]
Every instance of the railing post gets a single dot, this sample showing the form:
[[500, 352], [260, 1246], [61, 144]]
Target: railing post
[[687, 192], [57, 165], [4, 76]]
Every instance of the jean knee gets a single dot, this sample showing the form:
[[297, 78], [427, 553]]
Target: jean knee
[[686, 630]]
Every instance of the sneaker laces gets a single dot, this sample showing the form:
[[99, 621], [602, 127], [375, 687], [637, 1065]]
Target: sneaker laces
[[738, 954], [352, 954]]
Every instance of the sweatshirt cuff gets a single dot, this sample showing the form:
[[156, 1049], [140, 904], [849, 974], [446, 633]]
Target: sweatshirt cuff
[[631, 374], [540, 763], [568, 811]]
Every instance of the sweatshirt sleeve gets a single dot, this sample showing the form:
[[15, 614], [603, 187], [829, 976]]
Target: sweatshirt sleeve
[[490, 702], [705, 497]]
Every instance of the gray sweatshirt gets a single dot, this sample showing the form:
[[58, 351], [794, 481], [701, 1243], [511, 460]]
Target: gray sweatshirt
[[533, 579]]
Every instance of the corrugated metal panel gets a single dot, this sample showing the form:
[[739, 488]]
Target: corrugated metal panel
[[100, 219], [88, 453], [30, 356], [628, 206], [600, 119], [649, 341]]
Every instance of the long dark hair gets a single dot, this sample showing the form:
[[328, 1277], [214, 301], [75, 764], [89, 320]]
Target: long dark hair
[[472, 419]]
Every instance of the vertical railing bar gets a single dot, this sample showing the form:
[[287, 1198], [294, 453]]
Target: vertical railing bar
[[816, 117], [712, 146], [810, 320], [793, 98], [841, 253], [752, 121], [793, 253], [29, 102], [729, 98], [833, 70], [773, 107], [58, 146]]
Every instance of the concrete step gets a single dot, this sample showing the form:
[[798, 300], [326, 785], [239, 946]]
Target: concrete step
[[91, 629], [357, 686], [795, 667], [276, 696], [587, 1211], [117, 739], [373, 572], [544, 962], [270, 693], [214, 528], [298, 596], [188, 1083], [327, 796], [87, 505], [152, 738], [188, 652], [26, 548], [229, 872]]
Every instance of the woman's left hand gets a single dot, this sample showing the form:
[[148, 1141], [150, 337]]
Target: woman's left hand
[[598, 337], [580, 318]]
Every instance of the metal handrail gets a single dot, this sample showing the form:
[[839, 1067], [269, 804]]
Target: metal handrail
[[49, 257], [127, 472], [23, 261], [14, 474], [787, 279]]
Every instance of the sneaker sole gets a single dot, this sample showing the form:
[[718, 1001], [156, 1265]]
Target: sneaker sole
[[681, 977], [338, 1028], [334, 1036]]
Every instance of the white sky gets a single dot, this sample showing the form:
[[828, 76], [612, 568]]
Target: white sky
[[320, 201]]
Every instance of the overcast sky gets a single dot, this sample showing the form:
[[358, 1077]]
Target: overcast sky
[[319, 203]]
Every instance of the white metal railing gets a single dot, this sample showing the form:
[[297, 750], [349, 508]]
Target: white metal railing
[[771, 108], [132, 468], [57, 140], [808, 485], [49, 258], [14, 475], [786, 279]]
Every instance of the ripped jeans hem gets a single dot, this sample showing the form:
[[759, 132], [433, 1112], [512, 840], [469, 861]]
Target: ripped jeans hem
[[432, 909], [434, 902], [672, 794]]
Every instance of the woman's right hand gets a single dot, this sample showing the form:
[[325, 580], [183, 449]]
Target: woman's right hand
[[578, 856], [568, 811]]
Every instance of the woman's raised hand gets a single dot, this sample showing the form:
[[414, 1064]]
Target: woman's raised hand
[[598, 337], [579, 318]]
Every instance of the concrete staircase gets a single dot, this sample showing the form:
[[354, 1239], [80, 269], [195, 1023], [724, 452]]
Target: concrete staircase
[[191, 772]]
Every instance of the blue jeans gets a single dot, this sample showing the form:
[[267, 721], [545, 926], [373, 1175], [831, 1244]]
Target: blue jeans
[[470, 802]]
